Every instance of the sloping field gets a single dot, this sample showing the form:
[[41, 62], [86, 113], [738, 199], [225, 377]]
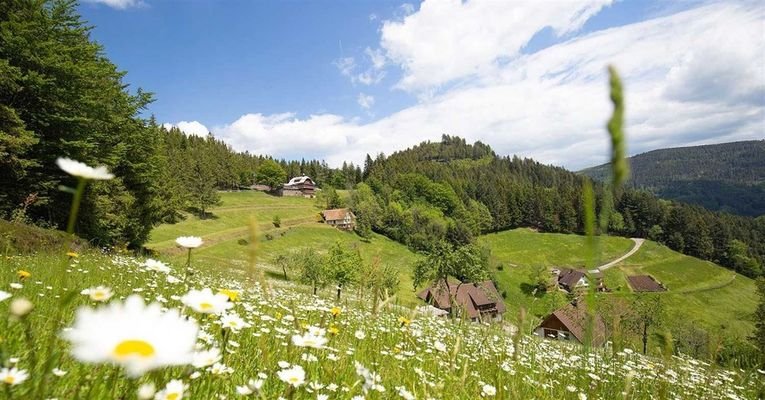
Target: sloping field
[[227, 236]]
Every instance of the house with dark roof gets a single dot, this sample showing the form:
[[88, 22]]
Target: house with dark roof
[[299, 186], [341, 218], [570, 323], [476, 301], [571, 279]]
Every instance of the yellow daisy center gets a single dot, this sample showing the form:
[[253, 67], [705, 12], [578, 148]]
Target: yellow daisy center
[[205, 306], [128, 348], [172, 396], [9, 379], [99, 295], [293, 379]]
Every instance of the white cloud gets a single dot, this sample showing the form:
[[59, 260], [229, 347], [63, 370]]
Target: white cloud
[[693, 77], [365, 101], [451, 39], [118, 4], [346, 65], [190, 128]]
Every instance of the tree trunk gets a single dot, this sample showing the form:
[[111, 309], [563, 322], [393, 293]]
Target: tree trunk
[[338, 292], [285, 273], [314, 290]]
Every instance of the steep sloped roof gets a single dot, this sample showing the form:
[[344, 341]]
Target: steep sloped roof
[[574, 318], [469, 296]]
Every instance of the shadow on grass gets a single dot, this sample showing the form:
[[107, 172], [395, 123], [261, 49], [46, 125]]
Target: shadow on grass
[[532, 290]]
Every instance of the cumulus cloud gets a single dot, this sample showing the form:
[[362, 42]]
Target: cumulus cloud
[[365, 101], [118, 4], [449, 40], [190, 128], [552, 105]]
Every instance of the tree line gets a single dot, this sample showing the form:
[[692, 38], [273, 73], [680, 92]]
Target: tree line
[[60, 96], [453, 191]]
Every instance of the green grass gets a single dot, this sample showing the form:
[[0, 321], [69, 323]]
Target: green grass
[[227, 236], [521, 250], [698, 290]]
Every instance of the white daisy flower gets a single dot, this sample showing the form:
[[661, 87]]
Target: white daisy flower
[[294, 376], [58, 372], [82, 170], [16, 285], [309, 340], [99, 293], [136, 336], [488, 390], [155, 265], [206, 358], [360, 335], [13, 376], [206, 302], [232, 321], [189, 242], [4, 295], [146, 391], [173, 391]]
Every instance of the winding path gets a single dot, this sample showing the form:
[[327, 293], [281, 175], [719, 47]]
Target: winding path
[[638, 243]]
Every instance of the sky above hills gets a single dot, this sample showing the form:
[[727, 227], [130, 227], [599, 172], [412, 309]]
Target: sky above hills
[[337, 80]]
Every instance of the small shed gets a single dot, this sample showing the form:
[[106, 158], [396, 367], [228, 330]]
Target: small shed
[[645, 283]]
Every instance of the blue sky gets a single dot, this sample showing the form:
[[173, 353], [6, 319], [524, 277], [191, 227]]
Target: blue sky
[[336, 80]]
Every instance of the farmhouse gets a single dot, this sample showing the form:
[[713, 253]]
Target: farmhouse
[[476, 301], [645, 283], [341, 218], [570, 279], [299, 186], [570, 323]]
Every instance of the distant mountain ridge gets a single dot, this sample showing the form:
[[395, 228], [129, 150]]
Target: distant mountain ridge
[[727, 177]]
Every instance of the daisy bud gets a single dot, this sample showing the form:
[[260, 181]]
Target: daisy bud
[[146, 391], [21, 307]]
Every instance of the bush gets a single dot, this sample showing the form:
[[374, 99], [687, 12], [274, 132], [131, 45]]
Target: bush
[[269, 236]]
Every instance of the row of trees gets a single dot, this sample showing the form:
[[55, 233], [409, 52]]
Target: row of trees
[[340, 266], [453, 191]]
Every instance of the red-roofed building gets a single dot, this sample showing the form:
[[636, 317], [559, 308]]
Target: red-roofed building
[[570, 323], [478, 301]]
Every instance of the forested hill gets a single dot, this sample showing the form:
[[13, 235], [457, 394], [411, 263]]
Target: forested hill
[[726, 177], [452, 191]]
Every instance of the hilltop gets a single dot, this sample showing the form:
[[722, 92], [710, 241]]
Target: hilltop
[[726, 177]]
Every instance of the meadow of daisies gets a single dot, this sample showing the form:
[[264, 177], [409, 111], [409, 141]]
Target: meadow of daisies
[[106, 325], [101, 326]]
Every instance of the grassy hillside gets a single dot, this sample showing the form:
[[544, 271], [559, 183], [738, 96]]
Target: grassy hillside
[[726, 177], [519, 251], [227, 236], [719, 299], [700, 291]]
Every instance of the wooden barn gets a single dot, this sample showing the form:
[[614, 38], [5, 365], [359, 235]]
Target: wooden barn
[[476, 301], [570, 323], [299, 186], [341, 218]]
